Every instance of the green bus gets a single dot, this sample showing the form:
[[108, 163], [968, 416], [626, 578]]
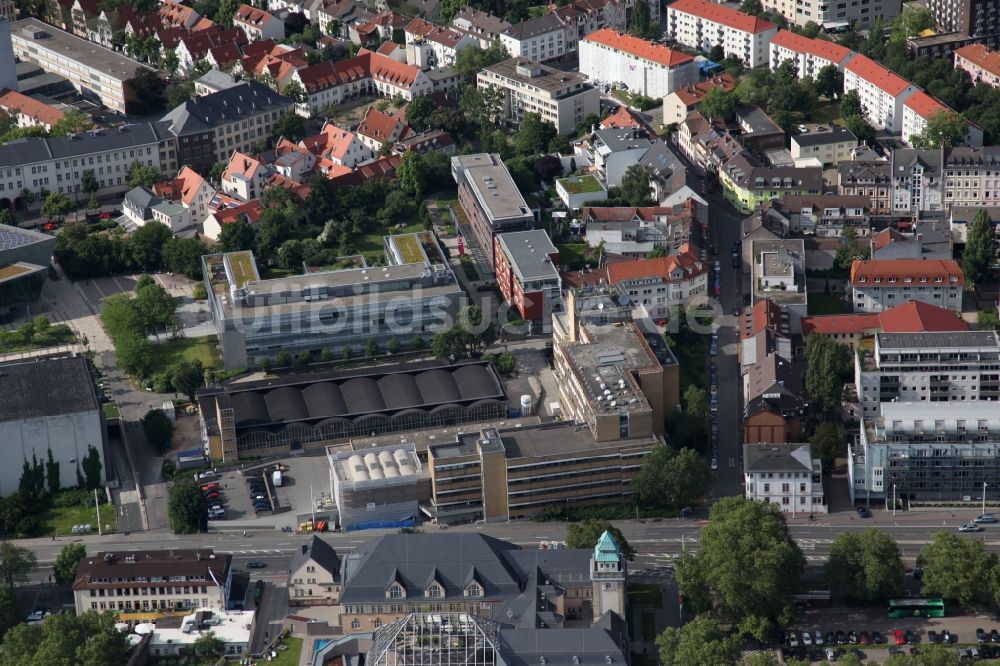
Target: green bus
[[916, 608]]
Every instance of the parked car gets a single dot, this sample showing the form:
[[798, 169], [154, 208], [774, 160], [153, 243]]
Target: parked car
[[852, 637], [981, 635], [212, 496], [831, 655], [985, 518], [877, 638], [899, 637], [831, 638], [210, 486], [818, 638], [807, 639], [911, 637], [863, 512], [945, 636], [256, 564], [994, 636], [864, 638], [841, 638], [207, 474], [933, 637], [970, 527]]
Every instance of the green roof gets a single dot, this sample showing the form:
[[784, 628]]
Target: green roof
[[581, 184], [243, 266], [606, 549]]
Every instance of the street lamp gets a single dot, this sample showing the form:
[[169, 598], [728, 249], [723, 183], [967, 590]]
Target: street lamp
[[894, 500], [983, 512]]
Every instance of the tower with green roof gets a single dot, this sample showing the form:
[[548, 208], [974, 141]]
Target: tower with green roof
[[607, 575]]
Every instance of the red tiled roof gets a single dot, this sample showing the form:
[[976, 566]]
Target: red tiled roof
[[252, 16], [391, 71], [30, 107], [241, 164], [877, 75], [622, 118], [917, 316], [885, 237], [660, 267], [173, 13], [818, 47], [259, 47], [327, 74], [765, 314], [639, 48], [380, 126], [845, 324], [435, 33], [251, 210], [980, 55], [223, 54], [693, 93], [924, 105], [723, 15], [869, 269]]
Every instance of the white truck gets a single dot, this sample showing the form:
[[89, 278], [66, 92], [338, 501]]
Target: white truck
[[276, 478]]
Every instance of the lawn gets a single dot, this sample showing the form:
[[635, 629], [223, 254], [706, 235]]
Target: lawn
[[289, 657], [111, 410], [580, 184], [372, 248], [243, 267], [646, 595], [204, 349], [822, 304], [826, 112], [573, 256], [409, 248], [274, 272], [62, 519], [469, 266]]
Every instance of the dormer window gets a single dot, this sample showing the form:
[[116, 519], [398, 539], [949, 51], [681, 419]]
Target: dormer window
[[396, 591], [434, 591], [474, 590]]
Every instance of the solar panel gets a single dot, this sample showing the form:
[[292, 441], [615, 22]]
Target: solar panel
[[11, 238]]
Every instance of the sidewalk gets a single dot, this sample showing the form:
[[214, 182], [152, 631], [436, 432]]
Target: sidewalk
[[949, 516]]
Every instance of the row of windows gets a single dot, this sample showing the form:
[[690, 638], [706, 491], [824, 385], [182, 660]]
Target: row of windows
[[147, 591]]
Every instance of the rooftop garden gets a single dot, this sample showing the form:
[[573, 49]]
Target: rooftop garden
[[581, 184], [242, 265]]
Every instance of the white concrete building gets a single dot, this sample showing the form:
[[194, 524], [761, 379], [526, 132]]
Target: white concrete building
[[955, 366], [140, 206], [809, 55], [562, 98], [175, 636], [244, 177], [882, 92], [429, 45], [786, 475], [258, 24], [879, 284], [539, 39], [49, 406], [841, 15], [647, 68], [700, 24], [920, 107]]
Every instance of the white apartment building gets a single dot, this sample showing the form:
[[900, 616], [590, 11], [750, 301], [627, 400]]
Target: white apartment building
[[837, 14], [880, 284], [700, 24], [258, 24], [830, 144], [981, 62], [926, 452], [561, 98], [95, 71], [920, 107], [956, 366], [786, 475], [244, 177], [809, 55], [429, 45], [917, 183], [647, 68], [539, 39], [971, 176], [882, 92]]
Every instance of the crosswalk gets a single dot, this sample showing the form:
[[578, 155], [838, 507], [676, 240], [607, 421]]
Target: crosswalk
[[270, 551]]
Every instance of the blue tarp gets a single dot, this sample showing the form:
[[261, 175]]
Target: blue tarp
[[380, 524], [706, 67]]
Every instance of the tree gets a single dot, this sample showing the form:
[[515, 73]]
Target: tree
[[641, 21], [187, 508], [89, 639], [828, 443], [411, 175], [944, 129], [92, 468], [585, 534], [657, 252], [169, 62], [533, 134], [64, 568], [988, 320], [93, 203], [636, 187], [472, 59], [291, 126], [393, 345], [186, 377], [371, 347], [183, 255], [236, 236], [672, 478], [861, 129], [227, 10], [419, 111], [865, 567], [57, 205], [52, 473], [753, 7], [850, 105], [717, 53], [450, 344], [718, 103], [158, 430], [849, 250], [15, 563], [147, 244], [748, 564], [916, 19], [294, 91], [959, 570], [830, 82], [700, 642], [142, 175], [155, 306], [828, 364], [73, 121], [209, 645], [980, 248]]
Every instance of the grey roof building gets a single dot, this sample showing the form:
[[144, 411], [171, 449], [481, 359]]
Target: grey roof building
[[24, 261], [540, 25]]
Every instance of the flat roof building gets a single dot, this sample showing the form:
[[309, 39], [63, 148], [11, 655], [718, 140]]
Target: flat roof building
[[377, 487], [527, 270], [176, 635], [25, 256], [779, 275]]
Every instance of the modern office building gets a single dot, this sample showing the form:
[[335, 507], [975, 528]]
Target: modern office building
[[94, 71], [490, 199], [527, 272], [701, 25], [561, 98], [785, 475], [145, 585], [645, 67], [879, 284], [926, 452], [25, 256], [956, 366], [306, 412], [49, 408], [414, 294]]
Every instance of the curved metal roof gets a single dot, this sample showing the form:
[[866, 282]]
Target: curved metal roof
[[286, 404], [438, 386], [399, 391], [362, 395], [250, 409], [475, 381], [324, 398]]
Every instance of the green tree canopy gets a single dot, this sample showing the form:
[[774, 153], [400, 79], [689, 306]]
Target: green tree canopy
[[828, 442], [944, 129], [980, 248], [236, 236], [534, 134], [700, 642], [186, 508], [865, 567], [209, 645], [57, 205], [16, 563], [64, 568], [830, 81], [419, 111], [718, 103], [828, 365], [89, 639], [142, 175], [672, 478], [586, 533], [850, 105], [959, 570], [158, 429], [637, 187]]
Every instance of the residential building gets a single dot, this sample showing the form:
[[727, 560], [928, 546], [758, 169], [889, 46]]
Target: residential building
[[759, 132], [141, 206], [209, 128], [307, 412], [561, 98], [701, 25], [499, 474], [632, 232], [612, 151], [538, 39], [617, 378], [708, 144], [577, 191], [765, 328], [830, 144], [809, 55], [176, 636], [777, 416], [879, 284], [825, 214], [917, 181], [970, 177], [968, 21], [926, 452], [645, 67], [911, 317], [213, 81], [484, 26], [204, 45], [835, 17], [430, 141], [920, 107], [244, 177], [922, 239], [429, 45], [786, 475], [146, 585], [50, 408], [662, 283], [378, 128], [314, 574], [258, 24], [527, 272], [192, 190], [960, 220], [882, 92], [490, 199], [333, 308], [29, 111], [748, 185], [870, 179], [93, 70], [778, 274], [379, 28], [682, 101], [981, 62]]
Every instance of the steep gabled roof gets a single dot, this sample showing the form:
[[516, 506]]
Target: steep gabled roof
[[882, 78], [639, 48], [919, 317], [723, 15], [900, 269], [821, 48]]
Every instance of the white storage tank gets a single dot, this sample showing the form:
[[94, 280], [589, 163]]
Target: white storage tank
[[525, 405], [374, 467]]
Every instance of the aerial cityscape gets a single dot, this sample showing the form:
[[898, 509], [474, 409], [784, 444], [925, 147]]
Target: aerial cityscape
[[500, 333]]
